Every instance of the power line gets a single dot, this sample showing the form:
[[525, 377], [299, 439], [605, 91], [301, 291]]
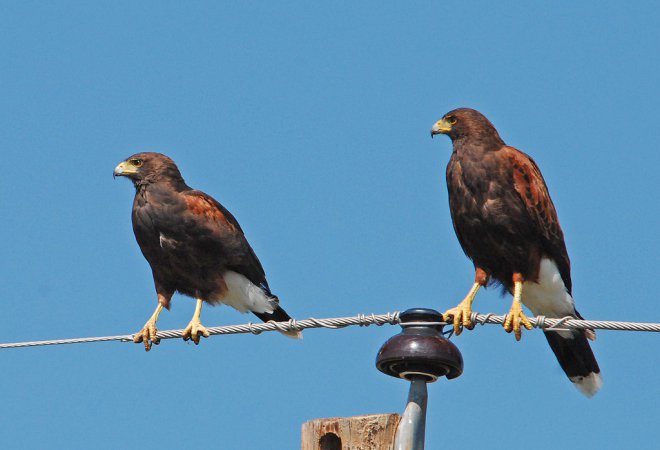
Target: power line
[[567, 323], [362, 320]]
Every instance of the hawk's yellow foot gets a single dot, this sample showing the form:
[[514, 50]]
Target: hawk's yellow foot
[[460, 315], [149, 333], [516, 317], [195, 329]]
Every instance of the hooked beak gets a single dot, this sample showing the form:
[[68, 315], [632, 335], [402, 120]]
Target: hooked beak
[[440, 127], [123, 169]]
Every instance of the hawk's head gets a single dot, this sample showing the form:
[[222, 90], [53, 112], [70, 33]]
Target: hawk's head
[[465, 123], [148, 167]]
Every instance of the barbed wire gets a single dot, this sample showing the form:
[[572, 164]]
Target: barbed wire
[[362, 320]]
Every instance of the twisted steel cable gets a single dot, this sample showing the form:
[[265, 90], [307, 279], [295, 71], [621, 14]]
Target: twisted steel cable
[[363, 320]]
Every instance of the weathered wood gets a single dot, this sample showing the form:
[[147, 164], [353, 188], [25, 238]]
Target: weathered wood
[[372, 432]]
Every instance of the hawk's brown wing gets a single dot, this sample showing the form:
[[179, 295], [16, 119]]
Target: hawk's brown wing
[[530, 186], [227, 234]]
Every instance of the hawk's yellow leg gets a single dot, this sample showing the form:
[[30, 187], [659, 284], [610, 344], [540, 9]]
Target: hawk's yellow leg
[[461, 313], [516, 317], [148, 334], [195, 327]]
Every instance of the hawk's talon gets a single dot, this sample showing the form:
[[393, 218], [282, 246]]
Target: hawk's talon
[[460, 317], [148, 335], [194, 330], [514, 319]]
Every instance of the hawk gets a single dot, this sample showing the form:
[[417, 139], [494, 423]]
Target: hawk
[[507, 225], [194, 246]]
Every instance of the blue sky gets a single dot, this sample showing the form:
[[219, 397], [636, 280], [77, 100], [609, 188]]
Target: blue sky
[[310, 122]]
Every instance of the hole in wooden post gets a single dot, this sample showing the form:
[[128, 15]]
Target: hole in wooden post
[[330, 441]]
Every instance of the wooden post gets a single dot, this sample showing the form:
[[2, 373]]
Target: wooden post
[[372, 432]]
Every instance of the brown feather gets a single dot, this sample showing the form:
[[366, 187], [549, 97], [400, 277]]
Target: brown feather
[[530, 185], [189, 239], [506, 224]]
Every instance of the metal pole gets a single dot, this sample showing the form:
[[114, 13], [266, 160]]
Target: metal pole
[[410, 433]]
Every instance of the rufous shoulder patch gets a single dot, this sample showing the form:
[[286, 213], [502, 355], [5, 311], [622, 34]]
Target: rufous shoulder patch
[[201, 205]]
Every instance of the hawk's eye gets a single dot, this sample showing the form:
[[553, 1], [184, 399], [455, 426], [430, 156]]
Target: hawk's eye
[[451, 120], [136, 162]]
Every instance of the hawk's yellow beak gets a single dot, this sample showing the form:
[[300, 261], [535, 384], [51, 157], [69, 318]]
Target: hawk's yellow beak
[[440, 127], [123, 169]]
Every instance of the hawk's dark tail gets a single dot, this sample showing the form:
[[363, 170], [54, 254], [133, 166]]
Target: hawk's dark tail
[[279, 315], [576, 358]]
